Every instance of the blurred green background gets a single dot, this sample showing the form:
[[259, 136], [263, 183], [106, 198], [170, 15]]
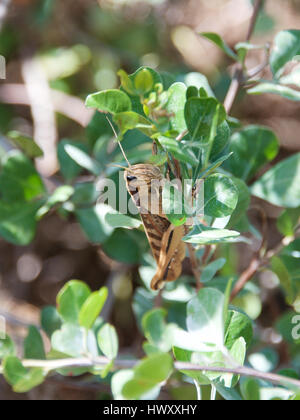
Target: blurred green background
[[78, 47]]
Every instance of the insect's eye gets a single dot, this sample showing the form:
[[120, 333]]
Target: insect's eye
[[131, 178]]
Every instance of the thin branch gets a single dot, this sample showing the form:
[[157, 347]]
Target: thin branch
[[257, 260], [246, 276], [254, 17], [182, 135], [101, 361], [233, 88], [238, 76]]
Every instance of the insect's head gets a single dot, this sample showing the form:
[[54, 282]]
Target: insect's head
[[142, 173]]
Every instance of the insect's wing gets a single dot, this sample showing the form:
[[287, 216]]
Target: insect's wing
[[155, 228], [171, 256], [165, 239]]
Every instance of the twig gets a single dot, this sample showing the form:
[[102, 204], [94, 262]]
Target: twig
[[182, 135], [234, 88], [246, 276], [254, 17], [100, 361], [257, 260], [238, 76]]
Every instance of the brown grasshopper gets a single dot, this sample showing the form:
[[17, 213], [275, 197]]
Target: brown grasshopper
[[164, 238], [144, 185]]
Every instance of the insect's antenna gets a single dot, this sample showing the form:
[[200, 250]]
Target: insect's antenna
[[118, 166], [120, 145]]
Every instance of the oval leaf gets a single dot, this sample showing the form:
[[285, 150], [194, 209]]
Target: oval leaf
[[220, 196], [112, 100], [108, 341], [70, 300], [281, 184], [92, 307]]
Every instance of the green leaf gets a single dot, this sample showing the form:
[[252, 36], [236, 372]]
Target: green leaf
[[238, 325], [286, 327], [228, 394], [143, 81], [108, 341], [220, 196], [238, 353], [22, 379], [118, 220], [130, 120], [199, 81], [19, 180], [156, 368], [143, 299], [279, 268], [290, 256], [288, 221], [18, 221], [156, 330], [252, 147], [209, 272], [176, 149], [83, 159], [13, 370], [213, 166], [126, 246], [155, 76], [7, 347], [113, 101], [25, 143], [281, 184], [244, 199], [221, 140], [33, 345], [250, 389], [59, 196], [292, 78], [217, 40], [149, 373], [199, 114], [192, 92], [286, 47], [126, 83], [205, 316], [269, 87], [118, 380], [93, 222], [85, 193], [243, 47], [92, 307], [68, 167], [71, 299], [203, 235], [50, 320], [183, 355], [175, 107], [73, 341]]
